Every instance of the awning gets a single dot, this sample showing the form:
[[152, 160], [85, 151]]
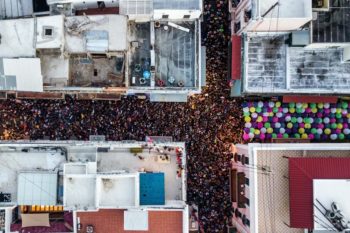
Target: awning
[[37, 188], [35, 220], [236, 58]]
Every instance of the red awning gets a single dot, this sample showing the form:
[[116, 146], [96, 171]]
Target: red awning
[[236, 58], [309, 99], [302, 171]]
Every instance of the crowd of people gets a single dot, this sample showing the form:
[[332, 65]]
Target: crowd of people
[[208, 123]]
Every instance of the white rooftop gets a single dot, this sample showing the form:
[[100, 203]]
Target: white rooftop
[[17, 38], [79, 192], [327, 191], [50, 32], [12, 162], [124, 160], [285, 8], [109, 181], [141, 223], [118, 190], [14, 74]]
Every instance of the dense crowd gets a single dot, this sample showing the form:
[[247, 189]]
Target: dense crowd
[[208, 123]]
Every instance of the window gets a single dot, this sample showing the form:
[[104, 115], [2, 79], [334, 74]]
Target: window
[[233, 184], [235, 157], [101, 4], [247, 15], [47, 31], [237, 26], [241, 199], [235, 3], [247, 181], [246, 160], [187, 16], [165, 16], [247, 201], [245, 221]]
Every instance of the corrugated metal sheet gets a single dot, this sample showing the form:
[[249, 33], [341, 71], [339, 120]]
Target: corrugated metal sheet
[[96, 41], [136, 7], [177, 4], [302, 171], [15, 8]]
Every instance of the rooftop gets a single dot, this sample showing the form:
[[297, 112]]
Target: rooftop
[[302, 172], [272, 66], [284, 9], [94, 179], [333, 24], [174, 58], [177, 5], [326, 192], [113, 51], [112, 221], [270, 182], [124, 160], [13, 161], [17, 38], [14, 79], [96, 33]]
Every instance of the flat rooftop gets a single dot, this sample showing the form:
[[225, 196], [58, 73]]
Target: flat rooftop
[[285, 9], [333, 25], [178, 4], [124, 160], [93, 177], [112, 221], [274, 67], [79, 191], [17, 38], [175, 52], [96, 33], [110, 191], [14, 161]]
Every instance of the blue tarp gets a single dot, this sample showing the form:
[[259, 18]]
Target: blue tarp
[[152, 191]]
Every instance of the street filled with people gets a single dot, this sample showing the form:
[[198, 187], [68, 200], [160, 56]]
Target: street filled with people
[[208, 123]]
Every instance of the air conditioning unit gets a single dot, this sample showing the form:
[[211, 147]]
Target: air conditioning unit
[[299, 38], [320, 5], [346, 54]]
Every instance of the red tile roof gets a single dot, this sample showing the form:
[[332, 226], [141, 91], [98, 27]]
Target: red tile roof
[[302, 171], [112, 221], [236, 58]]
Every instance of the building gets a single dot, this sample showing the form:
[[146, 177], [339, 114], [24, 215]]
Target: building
[[74, 186], [308, 55], [269, 15], [103, 49], [288, 187], [23, 8]]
